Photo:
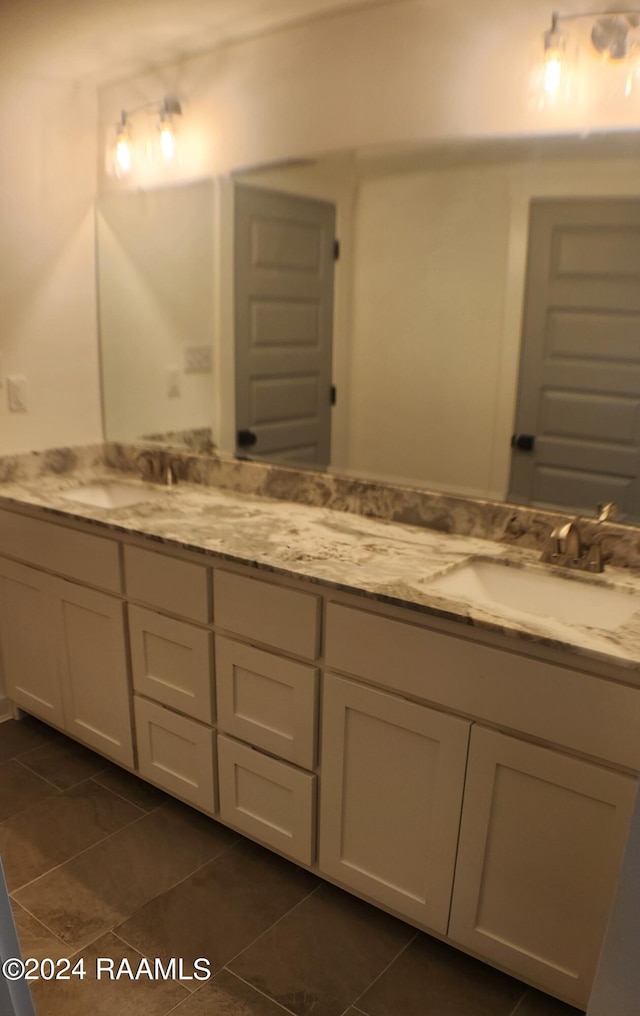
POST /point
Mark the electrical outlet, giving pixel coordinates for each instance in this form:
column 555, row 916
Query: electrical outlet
column 173, row 382
column 17, row 396
column 197, row 359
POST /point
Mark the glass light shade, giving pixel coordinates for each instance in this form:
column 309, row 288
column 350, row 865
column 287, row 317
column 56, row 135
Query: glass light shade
column 632, row 79
column 554, row 68
column 123, row 157
column 167, row 139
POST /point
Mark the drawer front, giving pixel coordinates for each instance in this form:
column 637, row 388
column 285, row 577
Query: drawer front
column 89, row 559
column 178, row 587
column 503, row 688
column 267, row 700
column 176, row 753
column 267, row 799
column 276, row 615
column 172, row 662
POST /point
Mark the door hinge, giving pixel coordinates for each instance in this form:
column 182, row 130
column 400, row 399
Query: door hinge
column 333, row 395
column 336, row 250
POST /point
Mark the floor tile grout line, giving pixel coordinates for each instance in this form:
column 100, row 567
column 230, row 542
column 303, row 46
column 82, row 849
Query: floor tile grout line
column 44, row 779
column 45, row 926
column 269, row 998
column 73, row 857
column 520, row 1000
column 116, row 793
column 383, row 972
column 271, row 927
column 171, row 888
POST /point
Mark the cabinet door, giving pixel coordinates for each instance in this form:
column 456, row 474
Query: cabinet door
column 540, row 844
column 29, row 643
column 391, row 795
column 94, row 678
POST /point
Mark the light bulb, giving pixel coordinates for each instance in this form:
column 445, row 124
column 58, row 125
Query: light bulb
column 554, row 82
column 554, row 68
column 167, row 141
column 123, row 156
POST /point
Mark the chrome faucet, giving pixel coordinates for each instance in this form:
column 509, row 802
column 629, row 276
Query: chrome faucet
column 157, row 466
column 566, row 545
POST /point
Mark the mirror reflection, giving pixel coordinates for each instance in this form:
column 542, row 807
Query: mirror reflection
column 427, row 326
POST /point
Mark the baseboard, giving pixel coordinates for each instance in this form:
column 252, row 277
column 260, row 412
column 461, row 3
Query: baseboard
column 6, row 709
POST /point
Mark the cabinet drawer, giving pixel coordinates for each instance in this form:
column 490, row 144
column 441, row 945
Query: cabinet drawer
column 267, row 799
column 178, row 587
column 504, row 688
column 172, row 662
column 276, row 615
column 267, row 700
column 176, row 753
column 89, row 559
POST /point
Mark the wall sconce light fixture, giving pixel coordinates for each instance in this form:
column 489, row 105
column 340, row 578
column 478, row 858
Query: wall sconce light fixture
column 123, row 157
column 161, row 142
column 612, row 36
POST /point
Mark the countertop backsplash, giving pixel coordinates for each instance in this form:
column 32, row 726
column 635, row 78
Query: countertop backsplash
column 515, row 525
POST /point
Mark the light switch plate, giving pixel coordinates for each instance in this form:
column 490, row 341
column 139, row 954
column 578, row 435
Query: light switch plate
column 197, row 359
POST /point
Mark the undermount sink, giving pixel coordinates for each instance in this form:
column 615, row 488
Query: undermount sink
column 520, row 592
column 107, row 495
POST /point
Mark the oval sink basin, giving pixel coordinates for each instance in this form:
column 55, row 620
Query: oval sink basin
column 538, row 594
column 107, row 495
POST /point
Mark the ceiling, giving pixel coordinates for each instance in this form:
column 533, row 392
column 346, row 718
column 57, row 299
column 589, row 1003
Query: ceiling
column 99, row 41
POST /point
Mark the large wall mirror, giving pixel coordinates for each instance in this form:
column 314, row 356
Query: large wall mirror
column 429, row 300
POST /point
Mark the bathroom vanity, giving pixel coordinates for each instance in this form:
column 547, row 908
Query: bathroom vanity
column 289, row 671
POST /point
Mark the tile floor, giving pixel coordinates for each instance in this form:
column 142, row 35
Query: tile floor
column 100, row 864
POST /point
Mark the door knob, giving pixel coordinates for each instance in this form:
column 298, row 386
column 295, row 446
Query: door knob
column 523, row 442
column 246, row 438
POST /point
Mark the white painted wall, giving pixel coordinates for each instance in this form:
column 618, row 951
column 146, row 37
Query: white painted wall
column 47, row 277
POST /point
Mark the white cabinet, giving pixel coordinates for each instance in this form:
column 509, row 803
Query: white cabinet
column 30, row 660
column 172, row 662
column 541, row 840
column 177, row 753
column 93, row 672
column 64, row 657
column 267, row 700
column 277, row 615
column 173, row 674
column 267, row 799
column 392, row 781
column 542, row 830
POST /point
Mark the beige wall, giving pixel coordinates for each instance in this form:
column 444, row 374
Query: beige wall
column 47, row 282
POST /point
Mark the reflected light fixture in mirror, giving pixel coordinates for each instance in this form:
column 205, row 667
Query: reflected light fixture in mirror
column 167, row 129
column 614, row 35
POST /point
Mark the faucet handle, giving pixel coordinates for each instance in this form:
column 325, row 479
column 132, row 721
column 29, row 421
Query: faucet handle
column 608, row 512
column 146, row 460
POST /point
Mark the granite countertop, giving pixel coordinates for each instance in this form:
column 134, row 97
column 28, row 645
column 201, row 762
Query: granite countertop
column 385, row 561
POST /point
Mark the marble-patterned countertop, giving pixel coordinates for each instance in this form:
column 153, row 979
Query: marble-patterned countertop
column 385, row 561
